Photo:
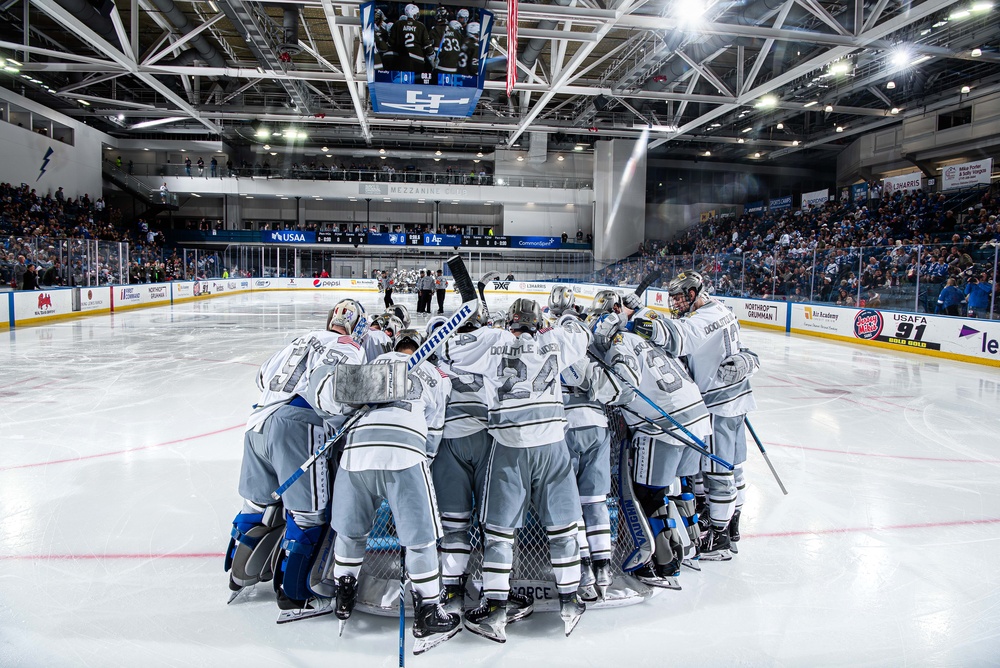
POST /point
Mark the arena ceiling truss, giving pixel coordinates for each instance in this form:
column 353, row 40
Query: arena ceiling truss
column 764, row 78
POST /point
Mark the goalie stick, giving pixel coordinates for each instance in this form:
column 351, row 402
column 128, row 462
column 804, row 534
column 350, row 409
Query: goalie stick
column 697, row 444
column 463, row 283
column 764, row 452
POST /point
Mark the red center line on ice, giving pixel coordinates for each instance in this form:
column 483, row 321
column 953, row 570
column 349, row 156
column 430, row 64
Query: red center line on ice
column 891, row 527
column 121, row 452
column 774, row 534
column 885, row 456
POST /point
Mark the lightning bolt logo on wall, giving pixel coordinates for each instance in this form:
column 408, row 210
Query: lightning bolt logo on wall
column 45, row 163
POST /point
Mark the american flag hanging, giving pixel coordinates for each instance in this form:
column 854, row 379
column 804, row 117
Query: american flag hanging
column 511, row 45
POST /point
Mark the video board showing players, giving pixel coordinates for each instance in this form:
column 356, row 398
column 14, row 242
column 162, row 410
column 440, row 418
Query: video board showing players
column 425, row 44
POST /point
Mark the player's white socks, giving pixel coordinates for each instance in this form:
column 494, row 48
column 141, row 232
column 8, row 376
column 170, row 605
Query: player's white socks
column 564, row 552
column 598, row 523
column 498, row 560
column 348, row 555
column 455, row 546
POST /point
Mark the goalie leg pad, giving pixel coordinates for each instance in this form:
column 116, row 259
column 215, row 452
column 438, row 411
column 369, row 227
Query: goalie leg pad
column 687, row 507
column 301, row 546
column 254, row 539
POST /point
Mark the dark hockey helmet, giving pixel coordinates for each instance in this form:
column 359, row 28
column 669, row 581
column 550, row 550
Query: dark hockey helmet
column 347, row 313
column 402, row 313
column 524, row 315
column 560, row 299
column 680, row 289
column 407, row 337
column 441, row 15
column 379, row 16
column 605, row 301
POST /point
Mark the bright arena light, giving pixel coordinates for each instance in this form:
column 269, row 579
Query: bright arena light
column 901, row 58
column 690, row 13
column 842, row 67
column 768, row 101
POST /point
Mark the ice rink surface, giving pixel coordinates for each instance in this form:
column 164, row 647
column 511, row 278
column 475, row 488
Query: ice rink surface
column 120, row 445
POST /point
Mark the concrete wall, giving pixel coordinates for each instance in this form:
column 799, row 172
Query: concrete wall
column 76, row 167
column 620, row 193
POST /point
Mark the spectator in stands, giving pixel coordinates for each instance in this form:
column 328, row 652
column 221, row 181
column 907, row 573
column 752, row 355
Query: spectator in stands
column 187, row 165
column 163, row 192
column 213, row 167
column 979, row 292
column 201, row 166
column 19, row 270
column 950, row 298
column 30, row 280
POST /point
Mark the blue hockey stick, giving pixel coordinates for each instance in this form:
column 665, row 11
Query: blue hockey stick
column 700, row 448
column 764, row 452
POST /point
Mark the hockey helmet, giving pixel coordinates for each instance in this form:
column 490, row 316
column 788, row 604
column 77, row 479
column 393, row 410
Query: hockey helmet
column 411, row 11
column 434, row 323
column 473, row 29
column 402, row 313
column 680, row 289
column 379, row 16
column 463, row 16
column 524, row 315
column 441, row 15
column 347, row 314
column 391, row 325
column 561, row 298
column 605, row 301
column 407, row 337
column 456, row 26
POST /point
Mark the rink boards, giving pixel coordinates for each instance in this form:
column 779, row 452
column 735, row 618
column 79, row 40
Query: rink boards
column 963, row 339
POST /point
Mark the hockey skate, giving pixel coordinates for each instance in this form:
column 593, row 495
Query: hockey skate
column 237, row 590
column 519, row 606
column 588, row 583
column 453, row 598
column 432, row 625
column 489, row 620
column 734, row 532
column 314, row 607
column 347, row 592
column 648, row 575
column 570, row 610
column 603, row 576
column 716, row 546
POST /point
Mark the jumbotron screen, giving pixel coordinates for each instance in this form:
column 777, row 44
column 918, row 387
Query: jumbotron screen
column 425, row 59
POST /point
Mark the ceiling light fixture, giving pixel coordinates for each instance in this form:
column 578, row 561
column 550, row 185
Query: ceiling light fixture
column 921, row 59
column 267, row 147
column 795, row 142
column 437, row 152
column 740, row 140
column 479, row 155
column 840, row 128
column 813, row 103
column 960, row 14
column 780, row 126
column 828, row 108
column 842, row 67
column 890, row 85
column 520, row 158
column 560, row 159
column 707, row 153
column 894, row 111
column 976, row 53
column 982, row 6
column 756, row 155
column 966, row 90
column 747, row 129
column 381, row 150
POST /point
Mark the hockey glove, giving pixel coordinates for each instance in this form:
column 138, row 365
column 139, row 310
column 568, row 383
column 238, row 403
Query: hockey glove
column 643, row 327
column 605, row 329
column 632, row 301
column 738, row 366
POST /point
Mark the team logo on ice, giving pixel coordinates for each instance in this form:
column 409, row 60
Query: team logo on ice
column 867, row 324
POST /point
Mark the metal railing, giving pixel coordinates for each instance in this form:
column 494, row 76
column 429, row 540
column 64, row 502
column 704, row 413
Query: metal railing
column 132, row 182
column 332, row 173
column 61, row 261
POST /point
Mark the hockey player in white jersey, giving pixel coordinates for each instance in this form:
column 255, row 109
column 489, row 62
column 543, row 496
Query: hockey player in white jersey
column 529, row 462
column 387, row 456
column 659, row 458
column 460, row 471
column 707, row 335
column 589, row 444
column 378, row 338
column 283, row 431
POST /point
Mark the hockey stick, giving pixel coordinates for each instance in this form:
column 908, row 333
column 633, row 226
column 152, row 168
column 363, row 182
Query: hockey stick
column 402, row 604
column 650, row 278
column 766, row 458
column 700, row 448
column 463, row 283
column 673, row 433
column 487, row 278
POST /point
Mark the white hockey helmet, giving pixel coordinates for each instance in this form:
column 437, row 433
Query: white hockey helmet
column 411, row 11
column 680, row 289
column 524, row 315
column 407, row 337
column 473, row 29
column 456, row 26
column 605, row 301
column 391, row 325
column 463, row 16
column 434, row 323
column 402, row 313
column 561, row 298
column 347, row 314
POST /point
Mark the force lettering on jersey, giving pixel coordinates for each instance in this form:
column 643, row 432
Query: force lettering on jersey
column 719, row 324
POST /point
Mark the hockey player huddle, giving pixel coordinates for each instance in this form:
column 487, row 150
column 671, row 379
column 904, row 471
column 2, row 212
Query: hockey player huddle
column 502, row 419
